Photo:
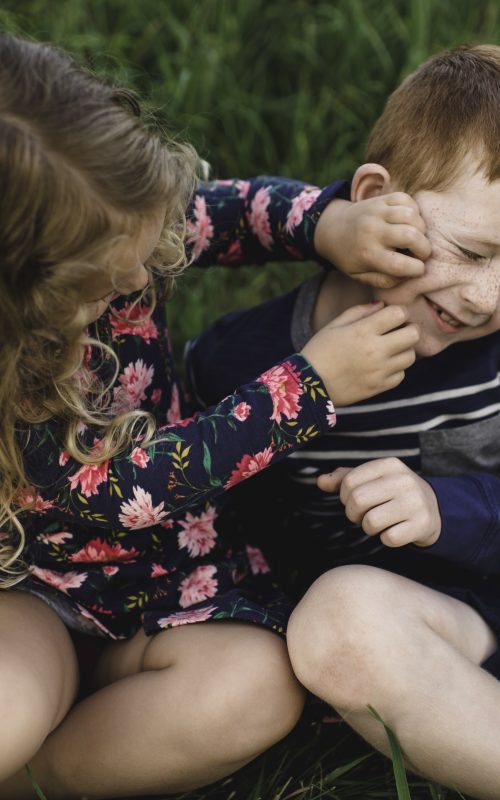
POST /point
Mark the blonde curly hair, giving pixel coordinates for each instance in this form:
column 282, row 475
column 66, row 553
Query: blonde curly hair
column 80, row 170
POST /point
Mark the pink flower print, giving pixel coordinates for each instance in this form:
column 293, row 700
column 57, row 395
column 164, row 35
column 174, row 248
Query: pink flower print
column 30, row 495
column 233, row 254
column 60, row 580
column 244, row 188
column 156, row 396
column 249, row 465
column 198, row 535
column 101, row 550
column 110, row 571
column 63, row 458
column 201, row 230
column 258, row 218
column 332, row 416
column 174, row 412
column 257, row 560
column 134, row 381
column 139, row 457
column 197, row 586
column 242, row 411
column 168, row 523
column 184, row 617
column 139, row 512
column 89, row 476
column 132, row 319
column 54, row 538
column 300, row 204
column 157, row 571
column 284, row 386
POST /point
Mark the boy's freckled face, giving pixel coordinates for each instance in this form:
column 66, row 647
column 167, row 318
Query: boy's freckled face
column 458, row 297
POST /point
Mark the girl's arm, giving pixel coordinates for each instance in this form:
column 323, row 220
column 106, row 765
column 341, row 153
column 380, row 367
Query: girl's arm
column 196, row 458
column 232, row 222
column 271, row 219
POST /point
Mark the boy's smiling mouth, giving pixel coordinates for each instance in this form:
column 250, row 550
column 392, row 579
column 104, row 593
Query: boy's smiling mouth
column 447, row 322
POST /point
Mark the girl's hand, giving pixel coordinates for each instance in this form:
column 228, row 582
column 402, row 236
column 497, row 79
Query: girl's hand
column 363, row 352
column 386, row 497
column 365, row 239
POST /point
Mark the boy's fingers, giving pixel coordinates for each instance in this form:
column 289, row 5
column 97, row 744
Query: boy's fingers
column 331, row 481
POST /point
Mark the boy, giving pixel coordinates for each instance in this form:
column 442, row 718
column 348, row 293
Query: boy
column 408, row 619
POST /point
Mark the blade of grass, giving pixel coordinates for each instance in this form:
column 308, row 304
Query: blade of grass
column 35, row 785
column 397, row 759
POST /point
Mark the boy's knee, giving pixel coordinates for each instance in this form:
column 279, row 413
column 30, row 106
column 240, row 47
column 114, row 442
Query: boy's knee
column 339, row 634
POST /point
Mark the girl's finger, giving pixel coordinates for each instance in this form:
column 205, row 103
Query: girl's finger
column 408, row 237
column 405, row 215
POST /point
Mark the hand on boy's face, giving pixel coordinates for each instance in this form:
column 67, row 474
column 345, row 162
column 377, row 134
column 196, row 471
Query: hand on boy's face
column 458, row 297
column 377, row 241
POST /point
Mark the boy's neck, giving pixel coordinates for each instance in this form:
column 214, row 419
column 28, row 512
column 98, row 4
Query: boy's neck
column 338, row 292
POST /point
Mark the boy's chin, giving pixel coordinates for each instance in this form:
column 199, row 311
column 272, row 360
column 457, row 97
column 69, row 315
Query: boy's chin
column 430, row 347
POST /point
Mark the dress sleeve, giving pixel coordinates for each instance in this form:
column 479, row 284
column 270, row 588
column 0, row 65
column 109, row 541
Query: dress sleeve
column 195, row 459
column 470, row 512
column 257, row 220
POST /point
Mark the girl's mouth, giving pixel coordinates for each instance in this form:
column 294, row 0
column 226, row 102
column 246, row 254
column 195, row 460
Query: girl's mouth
column 446, row 322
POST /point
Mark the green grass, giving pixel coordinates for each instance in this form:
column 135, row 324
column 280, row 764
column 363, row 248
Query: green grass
column 287, row 87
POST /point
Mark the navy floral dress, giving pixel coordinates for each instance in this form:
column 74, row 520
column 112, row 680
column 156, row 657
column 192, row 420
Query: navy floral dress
column 135, row 540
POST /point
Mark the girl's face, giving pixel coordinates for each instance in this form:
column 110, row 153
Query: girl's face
column 458, row 297
column 131, row 254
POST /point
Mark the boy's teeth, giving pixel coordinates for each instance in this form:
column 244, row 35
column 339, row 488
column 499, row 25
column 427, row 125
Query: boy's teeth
column 446, row 318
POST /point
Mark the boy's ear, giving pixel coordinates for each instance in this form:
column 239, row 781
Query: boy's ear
column 370, row 180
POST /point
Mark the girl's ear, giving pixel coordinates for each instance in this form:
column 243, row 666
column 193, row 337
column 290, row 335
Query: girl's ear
column 370, row 180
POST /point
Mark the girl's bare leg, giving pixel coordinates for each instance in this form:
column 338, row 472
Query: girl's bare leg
column 362, row 636
column 174, row 712
column 38, row 677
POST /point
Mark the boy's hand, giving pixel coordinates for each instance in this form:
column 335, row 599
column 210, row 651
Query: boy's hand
column 363, row 352
column 364, row 239
column 386, row 497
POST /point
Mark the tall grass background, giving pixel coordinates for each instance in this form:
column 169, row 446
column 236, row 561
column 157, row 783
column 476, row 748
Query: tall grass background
column 286, row 87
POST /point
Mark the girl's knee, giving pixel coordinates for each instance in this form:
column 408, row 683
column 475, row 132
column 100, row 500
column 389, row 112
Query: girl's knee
column 261, row 700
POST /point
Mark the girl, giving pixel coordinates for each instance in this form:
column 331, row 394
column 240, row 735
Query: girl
column 109, row 528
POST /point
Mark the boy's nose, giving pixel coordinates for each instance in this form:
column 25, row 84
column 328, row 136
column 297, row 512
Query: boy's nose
column 482, row 295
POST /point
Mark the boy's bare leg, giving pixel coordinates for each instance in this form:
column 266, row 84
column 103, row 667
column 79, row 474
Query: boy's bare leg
column 175, row 711
column 38, row 677
column 362, row 636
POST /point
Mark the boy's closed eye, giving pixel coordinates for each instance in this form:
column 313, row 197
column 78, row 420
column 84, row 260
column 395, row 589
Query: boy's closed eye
column 471, row 256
